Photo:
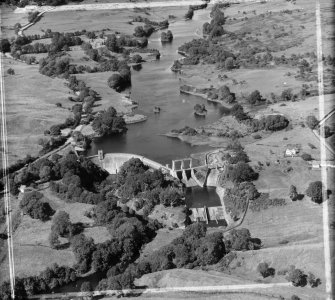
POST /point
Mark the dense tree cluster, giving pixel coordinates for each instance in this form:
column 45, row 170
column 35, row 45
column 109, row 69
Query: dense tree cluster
column 214, row 28
column 194, row 248
column 240, row 239
column 155, row 24
column 59, row 41
column 53, row 277
column 206, row 50
column 55, row 65
column 109, row 123
column 269, row 123
column 264, row 202
column 236, row 199
column 143, row 31
column 33, row 205
column 239, row 172
column 136, row 179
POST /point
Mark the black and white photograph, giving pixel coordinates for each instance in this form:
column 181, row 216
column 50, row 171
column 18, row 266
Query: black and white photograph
column 167, row 149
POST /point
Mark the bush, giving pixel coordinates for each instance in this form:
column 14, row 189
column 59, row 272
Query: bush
column 264, row 269
column 312, row 122
column 306, row 157
column 297, row 277
column 255, row 98
column 229, row 63
column 10, row 71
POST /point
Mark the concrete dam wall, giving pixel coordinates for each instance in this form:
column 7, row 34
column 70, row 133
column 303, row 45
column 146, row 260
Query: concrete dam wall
column 112, row 162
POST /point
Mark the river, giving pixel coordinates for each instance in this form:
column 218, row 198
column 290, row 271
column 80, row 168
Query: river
column 156, row 85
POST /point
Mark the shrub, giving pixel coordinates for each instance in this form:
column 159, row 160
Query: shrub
column 306, row 157
column 10, row 71
column 229, row 63
column 297, row 277
column 264, row 269
column 312, row 280
column 255, row 98
column 293, row 194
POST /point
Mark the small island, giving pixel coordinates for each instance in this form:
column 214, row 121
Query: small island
column 200, row 110
column 166, row 37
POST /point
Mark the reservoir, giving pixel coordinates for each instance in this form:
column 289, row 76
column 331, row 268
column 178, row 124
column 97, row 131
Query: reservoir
column 156, row 85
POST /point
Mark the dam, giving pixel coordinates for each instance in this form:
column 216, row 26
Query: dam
column 182, row 169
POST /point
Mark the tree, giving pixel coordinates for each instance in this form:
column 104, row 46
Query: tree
column 137, row 58
column 189, row 14
column 139, row 31
column 86, row 287
column 55, row 130
column 229, row 63
column 54, row 240
column 287, row 95
column 61, row 223
column 314, row 191
column 255, row 98
column 4, row 45
column 115, row 81
column 312, row 122
column 45, row 173
column 293, row 194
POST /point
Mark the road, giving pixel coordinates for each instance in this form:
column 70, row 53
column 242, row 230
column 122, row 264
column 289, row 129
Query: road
column 202, row 289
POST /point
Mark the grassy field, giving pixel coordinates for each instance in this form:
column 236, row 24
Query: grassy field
column 31, row 107
column 114, row 20
column 32, row 251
